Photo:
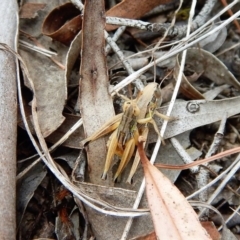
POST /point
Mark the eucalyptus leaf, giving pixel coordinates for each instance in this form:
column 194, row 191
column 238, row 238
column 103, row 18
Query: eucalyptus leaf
column 196, row 113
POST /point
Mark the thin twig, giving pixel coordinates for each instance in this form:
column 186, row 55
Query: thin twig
column 182, row 152
column 169, row 28
column 178, row 31
column 235, row 211
column 219, row 177
column 115, row 37
column 125, row 62
column 36, row 48
column 223, row 183
column 224, row 2
column 203, row 175
column 39, row 48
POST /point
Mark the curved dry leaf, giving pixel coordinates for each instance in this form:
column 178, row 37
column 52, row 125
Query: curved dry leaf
column 172, row 215
column 186, row 87
column 211, row 67
column 132, row 9
column 49, row 84
column 50, row 90
column 63, row 23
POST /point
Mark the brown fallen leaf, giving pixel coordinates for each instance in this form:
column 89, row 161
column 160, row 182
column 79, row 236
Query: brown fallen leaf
column 63, row 23
column 132, row 9
column 172, row 215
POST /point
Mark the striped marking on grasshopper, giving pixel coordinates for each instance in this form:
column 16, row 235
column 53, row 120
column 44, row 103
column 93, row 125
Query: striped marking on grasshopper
column 122, row 140
column 128, row 122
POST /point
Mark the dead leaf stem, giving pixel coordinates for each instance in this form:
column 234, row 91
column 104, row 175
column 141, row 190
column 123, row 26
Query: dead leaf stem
column 199, row 162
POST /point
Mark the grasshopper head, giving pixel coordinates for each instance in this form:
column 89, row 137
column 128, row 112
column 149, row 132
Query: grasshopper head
column 131, row 105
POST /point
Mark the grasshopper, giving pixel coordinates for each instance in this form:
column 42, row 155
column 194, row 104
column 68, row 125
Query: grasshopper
column 124, row 137
column 154, row 99
column 125, row 126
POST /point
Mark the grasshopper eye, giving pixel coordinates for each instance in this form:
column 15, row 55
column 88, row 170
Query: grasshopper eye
column 126, row 105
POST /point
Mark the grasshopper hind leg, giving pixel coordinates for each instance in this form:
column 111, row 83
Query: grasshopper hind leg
column 112, row 145
column 127, row 154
